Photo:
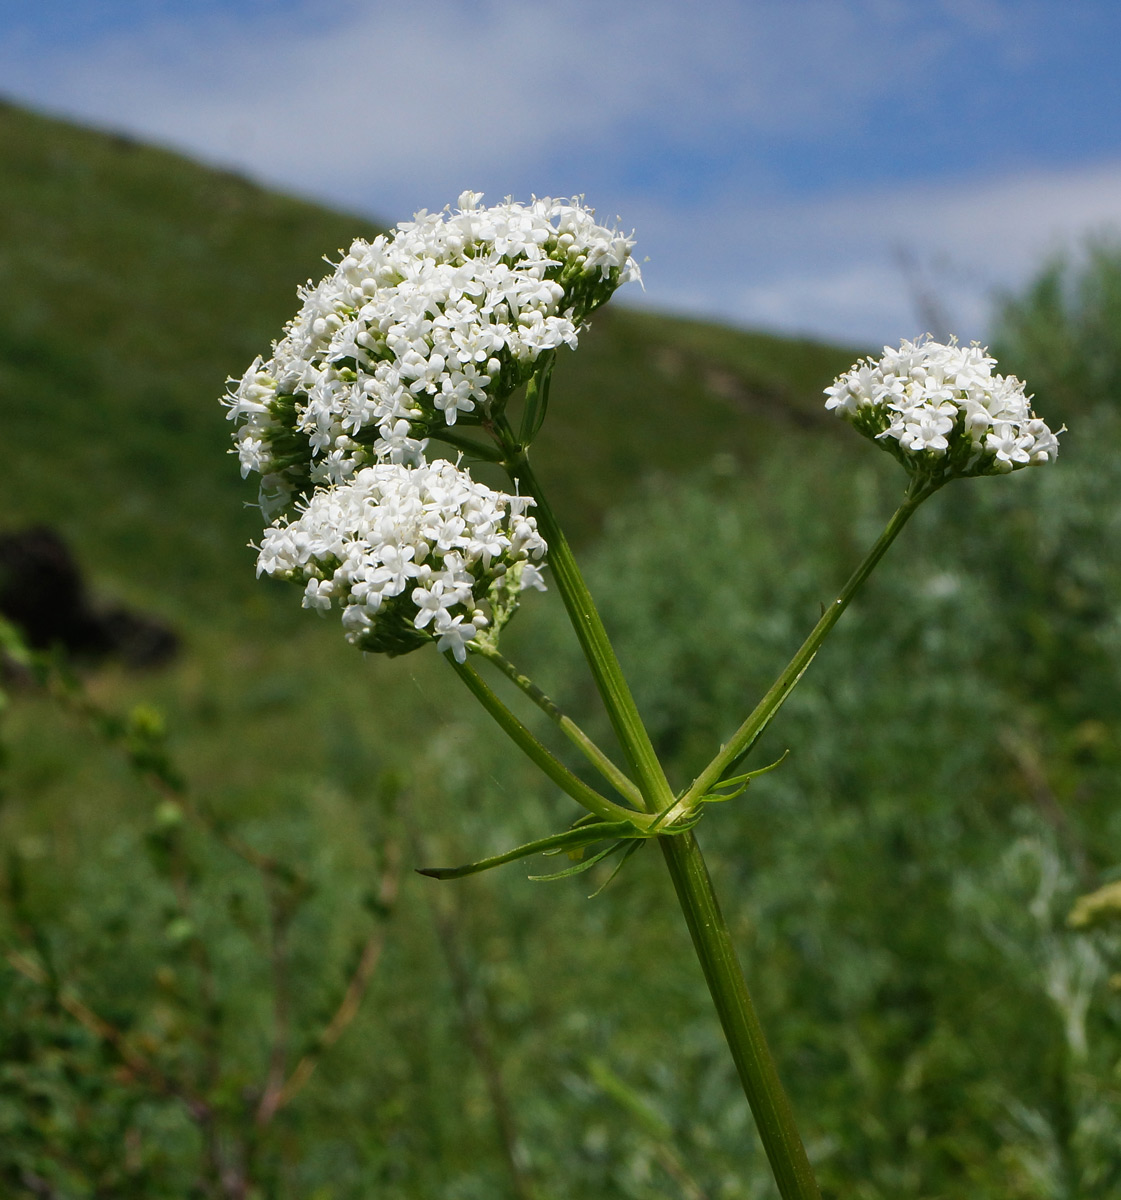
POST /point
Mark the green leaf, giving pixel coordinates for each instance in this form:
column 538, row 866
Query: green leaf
column 631, row 846
column 739, row 782
column 537, row 398
column 583, row 835
column 582, row 866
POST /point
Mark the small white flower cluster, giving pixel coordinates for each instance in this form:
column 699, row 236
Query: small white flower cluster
column 410, row 554
column 942, row 412
column 440, row 321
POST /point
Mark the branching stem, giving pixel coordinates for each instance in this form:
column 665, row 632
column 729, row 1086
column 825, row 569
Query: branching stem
column 619, row 781
column 572, row 784
column 749, row 732
column 600, row 654
column 711, row 938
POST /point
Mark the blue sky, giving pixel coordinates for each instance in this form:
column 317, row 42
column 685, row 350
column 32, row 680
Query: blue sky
column 805, row 165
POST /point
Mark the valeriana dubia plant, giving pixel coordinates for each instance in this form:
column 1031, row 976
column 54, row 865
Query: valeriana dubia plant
column 447, row 331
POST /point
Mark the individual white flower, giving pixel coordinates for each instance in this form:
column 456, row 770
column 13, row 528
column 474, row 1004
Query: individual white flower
column 1009, row 449
column 409, row 554
column 454, row 634
column 433, row 603
column 942, row 412
column 318, row 594
column 434, row 324
column 532, row 578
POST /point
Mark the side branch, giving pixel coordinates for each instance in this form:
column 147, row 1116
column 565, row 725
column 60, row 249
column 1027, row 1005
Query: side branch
column 624, row 786
column 572, row 784
column 749, row 732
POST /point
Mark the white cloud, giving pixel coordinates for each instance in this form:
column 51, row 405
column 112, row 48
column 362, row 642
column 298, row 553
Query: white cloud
column 378, row 99
column 383, row 109
column 830, row 266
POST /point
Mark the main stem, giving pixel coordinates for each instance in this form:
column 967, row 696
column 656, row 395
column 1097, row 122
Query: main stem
column 774, row 1116
column 608, row 674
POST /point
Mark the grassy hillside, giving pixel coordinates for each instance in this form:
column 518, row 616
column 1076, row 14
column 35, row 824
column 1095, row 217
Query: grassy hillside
column 899, row 887
column 133, row 282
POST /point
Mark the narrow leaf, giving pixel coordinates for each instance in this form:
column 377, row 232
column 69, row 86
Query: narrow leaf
column 580, row 867
column 748, row 776
column 569, row 840
column 632, row 846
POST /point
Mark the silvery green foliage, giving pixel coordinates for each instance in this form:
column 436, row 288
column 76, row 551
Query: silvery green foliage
column 942, row 412
column 436, row 323
column 900, row 789
column 410, row 554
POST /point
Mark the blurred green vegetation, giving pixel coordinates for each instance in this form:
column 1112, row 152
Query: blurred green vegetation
column 899, row 886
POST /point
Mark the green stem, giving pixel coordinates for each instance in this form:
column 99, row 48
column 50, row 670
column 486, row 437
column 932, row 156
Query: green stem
column 707, row 927
column 575, row 787
column 568, row 727
column 774, row 1116
column 621, row 708
column 537, row 398
column 748, row 733
column 470, row 447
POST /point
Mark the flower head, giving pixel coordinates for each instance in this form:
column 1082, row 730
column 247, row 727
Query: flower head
column 437, row 323
column 942, row 412
column 409, row 555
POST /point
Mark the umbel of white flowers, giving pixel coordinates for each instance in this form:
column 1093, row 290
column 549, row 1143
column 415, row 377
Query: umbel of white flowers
column 436, row 323
column 410, row 555
column 942, row 412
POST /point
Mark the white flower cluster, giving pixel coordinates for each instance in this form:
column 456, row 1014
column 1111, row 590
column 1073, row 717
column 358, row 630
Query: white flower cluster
column 410, row 554
column 438, row 322
column 942, row 412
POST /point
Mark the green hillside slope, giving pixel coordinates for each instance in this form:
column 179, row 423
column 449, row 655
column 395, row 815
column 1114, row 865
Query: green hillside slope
column 899, row 887
column 133, row 282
